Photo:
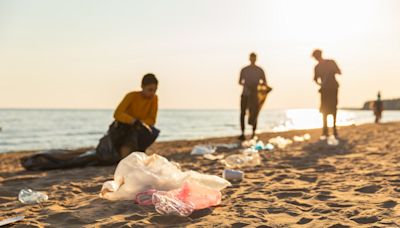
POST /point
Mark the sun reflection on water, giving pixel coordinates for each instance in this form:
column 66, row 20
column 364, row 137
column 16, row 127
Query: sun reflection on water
column 312, row 118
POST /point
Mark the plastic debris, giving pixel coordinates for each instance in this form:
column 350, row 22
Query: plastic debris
column 213, row 157
column 248, row 157
column 233, row 175
column 203, row 149
column 11, row 220
column 28, row 196
column 302, row 138
column 280, row 142
column 166, row 203
column 139, row 172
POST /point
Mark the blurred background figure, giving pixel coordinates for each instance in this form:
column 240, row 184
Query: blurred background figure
column 378, row 108
column 325, row 76
column 251, row 77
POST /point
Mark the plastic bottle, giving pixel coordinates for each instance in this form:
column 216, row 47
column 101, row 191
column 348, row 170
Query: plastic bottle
column 27, row 196
column 248, row 157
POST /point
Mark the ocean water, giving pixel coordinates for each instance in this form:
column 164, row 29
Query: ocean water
column 36, row 129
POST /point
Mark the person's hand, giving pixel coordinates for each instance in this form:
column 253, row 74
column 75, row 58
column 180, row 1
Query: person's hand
column 147, row 127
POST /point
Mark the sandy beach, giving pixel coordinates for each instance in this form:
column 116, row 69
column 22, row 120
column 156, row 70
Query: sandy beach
column 307, row 184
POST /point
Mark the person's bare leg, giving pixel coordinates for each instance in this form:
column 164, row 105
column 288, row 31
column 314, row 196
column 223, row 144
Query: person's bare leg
column 254, row 130
column 243, row 107
column 334, row 125
column 325, row 124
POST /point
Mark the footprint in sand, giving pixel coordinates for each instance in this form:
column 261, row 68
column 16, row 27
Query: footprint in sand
column 338, row 225
column 389, row 204
column 283, row 195
column 366, row 219
column 369, row 189
column 303, row 221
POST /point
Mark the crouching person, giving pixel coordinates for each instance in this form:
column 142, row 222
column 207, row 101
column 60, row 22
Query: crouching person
column 133, row 128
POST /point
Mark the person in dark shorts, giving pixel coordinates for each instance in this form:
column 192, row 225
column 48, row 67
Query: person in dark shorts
column 135, row 117
column 251, row 77
column 325, row 77
column 378, row 108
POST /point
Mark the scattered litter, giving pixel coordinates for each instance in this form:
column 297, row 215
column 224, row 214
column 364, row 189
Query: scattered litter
column 227, row 146
column 183, row 201
column 11, row 220
column 280, row 142
column 203, row 149
column 139, row 173
column 248, row 157
column 332, row 141
column 213, row 157
column 302, row 138
column 27, row 196
column 233, row 175
column 249, row 143
column 269, row 146
column 145, row 198
column 166, row 203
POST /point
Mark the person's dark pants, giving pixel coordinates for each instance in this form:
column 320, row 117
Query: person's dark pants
column 249, row 102
column 134, row 136
column 146, row 138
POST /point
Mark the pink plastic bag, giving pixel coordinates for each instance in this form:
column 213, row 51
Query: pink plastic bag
column 198, row 195
column 192, row 196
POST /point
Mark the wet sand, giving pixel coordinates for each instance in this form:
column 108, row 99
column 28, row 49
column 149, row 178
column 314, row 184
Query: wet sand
column 307, row 184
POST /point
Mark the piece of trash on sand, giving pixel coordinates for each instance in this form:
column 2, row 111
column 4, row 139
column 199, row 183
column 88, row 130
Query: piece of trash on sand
column 166, row 203
column 213, row 157
column 280, row 142
column 203, row 149
column 233, row 175
column 11, row 220
column 269, row 146
column 332, row 141
column 302, row 138
column 227, row 146
column 139, row 172
column 27, row 196
column 250, row 143
column 183, row 201
column 248, row 157
column 145, row 198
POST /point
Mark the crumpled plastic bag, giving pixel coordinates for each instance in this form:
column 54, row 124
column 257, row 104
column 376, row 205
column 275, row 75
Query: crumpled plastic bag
column 139, row 172
column 184, row 201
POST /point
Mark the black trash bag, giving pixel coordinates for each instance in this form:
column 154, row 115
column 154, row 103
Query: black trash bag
column 59, row 159
column 118, row 135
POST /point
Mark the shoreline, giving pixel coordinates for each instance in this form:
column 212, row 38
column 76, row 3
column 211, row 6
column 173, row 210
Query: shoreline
column 231, row 137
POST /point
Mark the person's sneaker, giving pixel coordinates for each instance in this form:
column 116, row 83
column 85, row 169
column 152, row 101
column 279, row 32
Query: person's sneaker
column 241, row 137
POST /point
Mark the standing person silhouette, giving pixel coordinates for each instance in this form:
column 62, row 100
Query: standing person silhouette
column 325, row 76
column 251, row 77
column 378, row 108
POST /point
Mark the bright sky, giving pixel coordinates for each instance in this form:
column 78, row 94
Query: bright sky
column 88, row 54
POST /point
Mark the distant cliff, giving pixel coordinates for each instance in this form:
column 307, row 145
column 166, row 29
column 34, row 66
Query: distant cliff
column 393, row 104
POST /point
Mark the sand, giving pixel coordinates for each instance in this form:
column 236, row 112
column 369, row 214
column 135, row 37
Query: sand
column 307, row 184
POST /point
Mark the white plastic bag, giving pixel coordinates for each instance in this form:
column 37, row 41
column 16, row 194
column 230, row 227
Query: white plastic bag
column 139, row 172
